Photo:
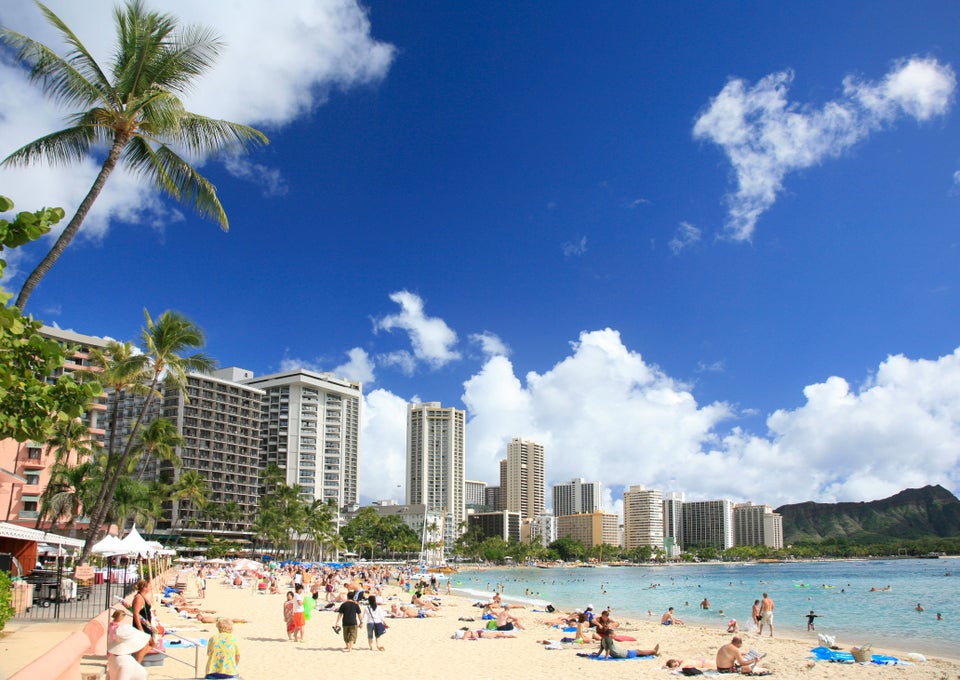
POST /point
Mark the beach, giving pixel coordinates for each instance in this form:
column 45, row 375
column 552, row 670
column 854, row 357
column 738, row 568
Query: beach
column 423, row 648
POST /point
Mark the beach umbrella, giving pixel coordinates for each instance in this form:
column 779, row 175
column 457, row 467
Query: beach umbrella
column 134, row 544
column 184, row 560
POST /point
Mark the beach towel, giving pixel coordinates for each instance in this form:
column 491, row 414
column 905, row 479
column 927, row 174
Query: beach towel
column 631, row 655
column 623, row 638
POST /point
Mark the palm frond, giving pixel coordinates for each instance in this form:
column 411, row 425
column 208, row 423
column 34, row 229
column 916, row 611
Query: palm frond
column 176, row 177
column 63, row 147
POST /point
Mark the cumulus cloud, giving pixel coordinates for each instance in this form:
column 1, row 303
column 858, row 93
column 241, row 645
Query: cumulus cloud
column 312, row 47
column 383, row 437
column 956, row 177
column 433, row 341
column 490, row 344
column 686, row 235
column 607, row 414
column 765, row 136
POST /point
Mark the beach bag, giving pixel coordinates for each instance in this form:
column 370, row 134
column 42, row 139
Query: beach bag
column 491, row 624
column 379, row 629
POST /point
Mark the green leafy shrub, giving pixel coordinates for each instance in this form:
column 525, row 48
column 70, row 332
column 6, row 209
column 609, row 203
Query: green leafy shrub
column 6, row 598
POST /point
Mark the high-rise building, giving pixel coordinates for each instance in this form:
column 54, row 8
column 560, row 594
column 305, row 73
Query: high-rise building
column 673, row 523
column 591, row 529
column 543, row 529
column 311, row 430
column 642, row 517
column 576, row 496
column 436, row 461
column 475, row 494
column 25, row 466
column 219, row 420
column 503, row 524
column 525, row 477
column 492, row 498
column 708, row 523
column 504, row 481
column 757, row 525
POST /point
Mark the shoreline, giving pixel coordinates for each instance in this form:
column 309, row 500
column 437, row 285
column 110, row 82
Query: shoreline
column 423, row 648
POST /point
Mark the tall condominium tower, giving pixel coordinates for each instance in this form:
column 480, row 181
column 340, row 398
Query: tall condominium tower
column 475, row 493
column 436, row 461
column 525, row 478
column 708, row 523
column 575, row 497
column 504, row 481
column 642, row 517
column 311, row 430
column 757, row 525
column 673, row 522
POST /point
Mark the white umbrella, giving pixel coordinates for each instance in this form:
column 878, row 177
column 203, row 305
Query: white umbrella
column 184, row 559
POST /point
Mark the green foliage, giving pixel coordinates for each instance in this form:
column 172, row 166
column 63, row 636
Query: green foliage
column 386, row 536
column 6, row 599
column 30, row 406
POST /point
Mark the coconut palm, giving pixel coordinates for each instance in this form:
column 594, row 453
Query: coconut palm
column 133, row 109
column 158, row 440
column 69, row 492
column 190, row 489
column 164, row 343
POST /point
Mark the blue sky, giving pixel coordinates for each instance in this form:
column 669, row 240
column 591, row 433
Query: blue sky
column 704, row 247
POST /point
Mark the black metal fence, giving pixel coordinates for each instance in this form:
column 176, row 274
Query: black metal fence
column 55, row 594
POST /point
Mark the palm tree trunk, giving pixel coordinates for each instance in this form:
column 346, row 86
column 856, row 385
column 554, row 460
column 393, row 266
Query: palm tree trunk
column 109, row 164
column 16, row 462
column 110, row 479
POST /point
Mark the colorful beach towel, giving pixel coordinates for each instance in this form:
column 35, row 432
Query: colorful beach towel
column 631, row 654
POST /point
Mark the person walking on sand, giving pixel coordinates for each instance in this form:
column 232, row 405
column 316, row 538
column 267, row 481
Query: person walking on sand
column 351, row 615
column 376, row 626
column 766, row 614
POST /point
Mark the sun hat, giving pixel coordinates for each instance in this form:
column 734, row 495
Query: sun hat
column 127, row 640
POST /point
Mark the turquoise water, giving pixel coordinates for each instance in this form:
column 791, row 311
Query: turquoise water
column 846, row 608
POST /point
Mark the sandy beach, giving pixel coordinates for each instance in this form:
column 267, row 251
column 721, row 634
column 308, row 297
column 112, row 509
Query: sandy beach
column 423, row 648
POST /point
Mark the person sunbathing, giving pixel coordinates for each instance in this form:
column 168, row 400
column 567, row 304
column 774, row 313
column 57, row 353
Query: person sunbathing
column 425, row 604
column 680, row 664
column 408, row 611
column 466, row 634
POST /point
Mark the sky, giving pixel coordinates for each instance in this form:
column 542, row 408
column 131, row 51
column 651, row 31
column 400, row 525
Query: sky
column 703, row 247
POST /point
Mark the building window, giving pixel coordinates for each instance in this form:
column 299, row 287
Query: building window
column 33, row 453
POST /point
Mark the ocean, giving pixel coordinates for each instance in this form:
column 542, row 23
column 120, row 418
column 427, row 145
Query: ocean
column 837, row 591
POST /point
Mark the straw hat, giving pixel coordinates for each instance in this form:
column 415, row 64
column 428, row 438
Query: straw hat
column 128, row 640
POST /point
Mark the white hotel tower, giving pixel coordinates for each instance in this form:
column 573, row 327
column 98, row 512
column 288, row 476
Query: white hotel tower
column 310, row 428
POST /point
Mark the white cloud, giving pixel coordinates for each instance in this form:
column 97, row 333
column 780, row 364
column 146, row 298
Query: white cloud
column 270, row 181
column 383, row 458
column 402, row 359
column 280, row 61
column 956, row 177
column 572, row 248
column 490, row 344
column 604, row 413
column 432, row 339
column 358, row 367
column 686, row 235
column 766, row 137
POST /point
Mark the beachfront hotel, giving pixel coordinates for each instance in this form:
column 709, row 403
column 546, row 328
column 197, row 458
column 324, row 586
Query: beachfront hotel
column 576, row 496
column 436, row 461
column 591, row 529
column 708, row 523
column 525, row 478
column 642, row 517
column 311, row 430
column 757, row 525
column 25, row 466
column 219, row 420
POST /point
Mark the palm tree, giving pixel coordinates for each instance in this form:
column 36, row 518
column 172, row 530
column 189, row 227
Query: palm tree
column 190, row 489
column 163, row 343
column 159, row 440
column 68, row 493
column 137, row 501
column 133, row 108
